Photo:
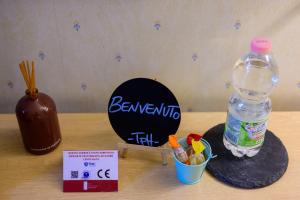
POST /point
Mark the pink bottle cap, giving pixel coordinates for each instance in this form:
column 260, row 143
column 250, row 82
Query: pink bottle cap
column 261, row 45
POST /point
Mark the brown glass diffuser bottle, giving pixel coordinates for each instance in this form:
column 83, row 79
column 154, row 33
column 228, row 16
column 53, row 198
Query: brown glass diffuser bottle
column 37, row 117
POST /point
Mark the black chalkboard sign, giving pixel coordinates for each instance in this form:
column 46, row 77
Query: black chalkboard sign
column 144, row 112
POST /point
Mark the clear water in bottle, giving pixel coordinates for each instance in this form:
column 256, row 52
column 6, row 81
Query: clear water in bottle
column 253, row 79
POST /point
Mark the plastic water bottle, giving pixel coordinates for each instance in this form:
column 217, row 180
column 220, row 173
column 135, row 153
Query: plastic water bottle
column 254, row 76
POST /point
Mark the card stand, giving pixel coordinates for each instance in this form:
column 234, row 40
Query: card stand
column 164, row 151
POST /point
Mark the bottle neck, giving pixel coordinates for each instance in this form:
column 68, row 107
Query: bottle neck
column 32, row 94
column 267, row 57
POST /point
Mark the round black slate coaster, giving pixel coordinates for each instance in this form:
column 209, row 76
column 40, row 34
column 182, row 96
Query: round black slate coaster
column 256, row 172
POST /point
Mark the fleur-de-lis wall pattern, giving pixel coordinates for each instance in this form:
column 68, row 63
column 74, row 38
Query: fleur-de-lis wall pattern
column 190, row 46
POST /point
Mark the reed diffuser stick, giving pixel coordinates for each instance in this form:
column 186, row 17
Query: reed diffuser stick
column 33, row 77
column 28, row 73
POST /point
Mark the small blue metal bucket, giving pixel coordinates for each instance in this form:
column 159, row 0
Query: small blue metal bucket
column 191, row 174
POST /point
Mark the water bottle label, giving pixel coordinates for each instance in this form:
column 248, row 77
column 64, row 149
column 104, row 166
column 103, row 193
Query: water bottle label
column 245, row 134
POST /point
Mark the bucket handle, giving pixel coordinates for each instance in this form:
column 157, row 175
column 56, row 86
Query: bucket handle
column 213, row 156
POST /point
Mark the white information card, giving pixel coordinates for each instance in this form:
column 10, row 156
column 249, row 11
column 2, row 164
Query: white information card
column 90, row 171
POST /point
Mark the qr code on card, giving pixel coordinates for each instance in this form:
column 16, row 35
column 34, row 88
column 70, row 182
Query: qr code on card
column 74, row 174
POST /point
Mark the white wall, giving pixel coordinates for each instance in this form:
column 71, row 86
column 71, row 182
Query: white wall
column 190, row 46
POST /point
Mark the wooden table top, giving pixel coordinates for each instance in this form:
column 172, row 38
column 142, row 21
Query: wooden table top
column 141, row 175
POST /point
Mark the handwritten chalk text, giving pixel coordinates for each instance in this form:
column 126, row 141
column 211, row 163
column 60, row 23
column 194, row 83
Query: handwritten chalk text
column 143, row 138
column 117, row 105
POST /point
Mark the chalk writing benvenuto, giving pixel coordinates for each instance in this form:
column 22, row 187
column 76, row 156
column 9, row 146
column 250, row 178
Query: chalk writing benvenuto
column 118, row 105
